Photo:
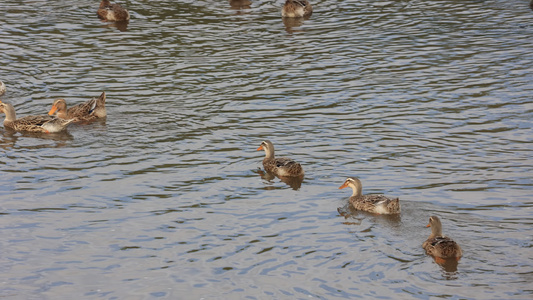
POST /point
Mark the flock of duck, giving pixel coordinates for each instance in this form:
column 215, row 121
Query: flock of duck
column 291, row 9
column 59, row 117
column 438, row 245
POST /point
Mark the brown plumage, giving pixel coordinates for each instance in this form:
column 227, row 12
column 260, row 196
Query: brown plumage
column 2, row 88
column 44, row 124
column 296, row 9
column 112, row 12
column 282, row 166
column 88, row 111
column 377, row 204
column 439, row 245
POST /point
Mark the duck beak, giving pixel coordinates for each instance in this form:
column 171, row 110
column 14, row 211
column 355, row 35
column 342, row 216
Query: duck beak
column 260, row 148
column 345, row 184
column 53, row 110
column 428, row 225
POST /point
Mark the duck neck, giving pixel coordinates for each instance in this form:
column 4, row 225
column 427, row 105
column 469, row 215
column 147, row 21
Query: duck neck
column 62, row 113
column 357, row 190
column 436, row 230
column 269, row 153
column 10, row 113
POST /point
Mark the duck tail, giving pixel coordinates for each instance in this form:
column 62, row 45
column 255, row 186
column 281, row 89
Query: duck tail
column 101, row 100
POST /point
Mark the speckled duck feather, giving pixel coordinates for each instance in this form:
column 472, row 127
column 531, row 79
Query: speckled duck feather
column 43, row 124
column 378, row 204
column 438, row 244
column 88, row 111
column 112, row 12
column 296, row 9
column 281, row 166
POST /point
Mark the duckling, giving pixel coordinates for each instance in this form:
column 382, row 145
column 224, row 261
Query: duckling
column 439, row 245
column 90, row 110
column 296, row 9
column 377, row 204
column 43, row 124
column 112, row 12
column 282, row 166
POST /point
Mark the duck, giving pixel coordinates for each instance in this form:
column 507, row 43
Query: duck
column 439, row 245
column 42, row 124
column 378, row 204
column 281, row 166
column 112, row 12
column 88, row 111
column 2, row 88
column 296, row 9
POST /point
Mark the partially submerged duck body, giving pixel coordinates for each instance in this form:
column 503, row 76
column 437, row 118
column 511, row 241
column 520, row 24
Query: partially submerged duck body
column 439, row 245
column 88, row 111
column 40, row 124
column 378, row 204
column 112, row 12
column 296, row 9
column 282, row 166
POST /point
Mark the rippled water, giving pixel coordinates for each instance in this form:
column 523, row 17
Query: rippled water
column 426, row 100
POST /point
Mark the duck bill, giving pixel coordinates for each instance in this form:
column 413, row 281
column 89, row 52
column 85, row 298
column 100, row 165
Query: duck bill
column 343, row 185
column 53, row 110
column 260, row 148
column 428, row 225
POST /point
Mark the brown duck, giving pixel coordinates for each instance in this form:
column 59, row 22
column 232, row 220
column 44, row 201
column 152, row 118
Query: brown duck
column 439, row 245
column 88, row 111
column 44, row 124
column 296, row 9
column 377, row 204
column 112, row 12
column 282, row 166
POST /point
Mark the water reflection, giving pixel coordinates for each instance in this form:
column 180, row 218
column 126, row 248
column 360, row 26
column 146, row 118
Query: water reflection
column 120, row 25
column 349, row 213
column 448, row 265
column 291, row 23
column 294, row 182
column 240, row 4
column 10, row 138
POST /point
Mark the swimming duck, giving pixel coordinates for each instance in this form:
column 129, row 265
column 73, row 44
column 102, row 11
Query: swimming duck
column 2, row 88
column 112, row 12
column 281, row 166
column 439, row 245
column 377, row 204
column 92, row 109
column 296, row 9
column 45, row 124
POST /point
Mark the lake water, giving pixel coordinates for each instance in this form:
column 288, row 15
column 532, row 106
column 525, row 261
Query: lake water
column 429, row 101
